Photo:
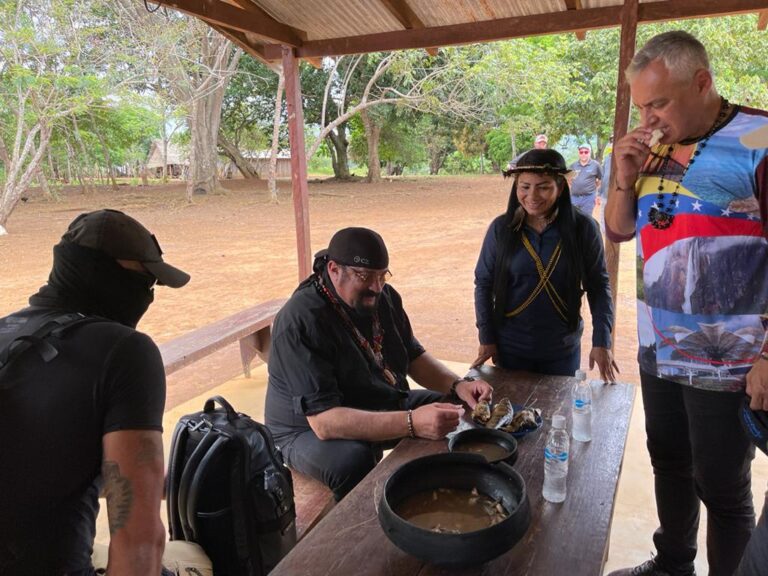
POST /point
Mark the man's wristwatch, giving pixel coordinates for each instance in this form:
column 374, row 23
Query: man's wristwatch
column 459, row 381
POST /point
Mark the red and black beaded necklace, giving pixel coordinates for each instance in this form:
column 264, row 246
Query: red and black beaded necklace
column 374, row 352
column 661, row 215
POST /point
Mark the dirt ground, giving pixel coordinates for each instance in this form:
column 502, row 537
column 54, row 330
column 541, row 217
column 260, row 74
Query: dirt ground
column 240, row 250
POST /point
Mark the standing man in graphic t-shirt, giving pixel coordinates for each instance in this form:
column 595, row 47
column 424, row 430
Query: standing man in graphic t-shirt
column 586, row 180
column 692, row 186
column 83, row 407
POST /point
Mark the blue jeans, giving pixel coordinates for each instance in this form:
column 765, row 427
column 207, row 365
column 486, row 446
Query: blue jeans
column 755, row 559
column 699, row 454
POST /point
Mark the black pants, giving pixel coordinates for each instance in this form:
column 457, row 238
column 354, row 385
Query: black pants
column 341, row 464
column 755, row 559
column 565, row 366
column 699, row 454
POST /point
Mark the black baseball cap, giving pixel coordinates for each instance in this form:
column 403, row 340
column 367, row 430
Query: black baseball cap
column 123, row 238
column 357, row 247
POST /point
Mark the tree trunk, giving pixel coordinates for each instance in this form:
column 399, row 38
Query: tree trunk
column 165, row 149
column 275, row 138
column 436, row 161
column 204, row 120
column 202, row 157
column 332, row 154
column 69, row 163
column 233, row 153
column 43, row 183
column 338, row 138
column 85, row 180
column 108, row 160
column 372, row 133
column 20, row 171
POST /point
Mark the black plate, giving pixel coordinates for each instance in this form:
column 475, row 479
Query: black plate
column 487, row 435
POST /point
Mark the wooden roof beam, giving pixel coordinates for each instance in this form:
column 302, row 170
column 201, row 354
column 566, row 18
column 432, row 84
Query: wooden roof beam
column 506, row 28
column 401, row 10
column 241, row 40
column 762, row 20
column 576, row 5
column 253, row 19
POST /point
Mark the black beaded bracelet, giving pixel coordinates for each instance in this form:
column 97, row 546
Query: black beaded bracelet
column 411, row 431
column 459, row 381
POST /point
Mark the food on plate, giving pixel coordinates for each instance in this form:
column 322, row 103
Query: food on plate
column 501, row 415
column 526, row 419
column 482, row 412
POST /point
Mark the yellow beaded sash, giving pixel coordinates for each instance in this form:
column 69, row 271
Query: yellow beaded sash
column 544, row 282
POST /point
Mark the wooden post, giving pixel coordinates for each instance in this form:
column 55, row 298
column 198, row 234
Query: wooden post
column 298, row 160
column 620, row 126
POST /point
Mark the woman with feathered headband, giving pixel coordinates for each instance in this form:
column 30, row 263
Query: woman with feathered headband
column 537, row 260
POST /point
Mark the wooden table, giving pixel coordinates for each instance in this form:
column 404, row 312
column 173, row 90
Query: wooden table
column 564, row 539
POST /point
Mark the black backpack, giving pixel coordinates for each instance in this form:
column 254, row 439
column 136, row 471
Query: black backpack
column 229, row 491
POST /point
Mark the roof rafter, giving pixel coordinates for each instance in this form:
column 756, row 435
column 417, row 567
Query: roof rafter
column 253, row 19
column 576, row 5
column 240, row 39
column 401, row 10
column 535, row 25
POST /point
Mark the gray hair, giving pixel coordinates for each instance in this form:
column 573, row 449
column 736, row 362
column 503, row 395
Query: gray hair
column 680, row 51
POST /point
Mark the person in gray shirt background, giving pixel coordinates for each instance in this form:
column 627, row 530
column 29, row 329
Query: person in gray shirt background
column 586, row 180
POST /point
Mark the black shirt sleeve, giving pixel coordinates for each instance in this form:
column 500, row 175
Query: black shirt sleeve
column 134, row 385
column 307, row 370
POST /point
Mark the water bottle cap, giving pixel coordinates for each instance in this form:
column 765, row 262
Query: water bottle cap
column 558, row 421
column 580, row 375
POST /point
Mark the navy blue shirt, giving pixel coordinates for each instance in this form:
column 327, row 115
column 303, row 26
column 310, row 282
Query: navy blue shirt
column 539, row 332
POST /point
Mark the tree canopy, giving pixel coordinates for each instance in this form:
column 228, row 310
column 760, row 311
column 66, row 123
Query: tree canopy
column 86, row 86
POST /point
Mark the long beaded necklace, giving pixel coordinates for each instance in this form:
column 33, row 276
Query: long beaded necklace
column 662, row 214
column 374, row 352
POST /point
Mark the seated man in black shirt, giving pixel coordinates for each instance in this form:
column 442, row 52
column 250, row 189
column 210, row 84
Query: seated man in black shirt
column 342, row 347
column 83, row 407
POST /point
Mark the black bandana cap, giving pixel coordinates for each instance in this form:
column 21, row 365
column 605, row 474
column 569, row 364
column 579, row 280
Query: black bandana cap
column 121, row 237
column 545, row 161
column 357, row 247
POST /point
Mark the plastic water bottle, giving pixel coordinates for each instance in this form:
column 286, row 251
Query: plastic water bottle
column 582, row 408
column 556, row 461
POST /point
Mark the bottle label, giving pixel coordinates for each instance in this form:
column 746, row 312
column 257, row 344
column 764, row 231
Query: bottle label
column 582, row 403
column 559, row 456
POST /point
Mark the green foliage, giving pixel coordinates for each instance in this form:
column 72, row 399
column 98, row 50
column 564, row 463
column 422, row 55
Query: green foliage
column 249, row 106
column 499, row 146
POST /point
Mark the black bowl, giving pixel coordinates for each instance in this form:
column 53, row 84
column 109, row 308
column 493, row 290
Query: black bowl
column 463, row 472
column 486, row 436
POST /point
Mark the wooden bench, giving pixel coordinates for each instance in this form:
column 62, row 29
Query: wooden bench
column 313, row 501
column 252, row 328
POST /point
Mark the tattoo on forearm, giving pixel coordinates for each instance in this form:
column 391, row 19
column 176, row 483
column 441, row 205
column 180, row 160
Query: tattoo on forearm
column 119, row 494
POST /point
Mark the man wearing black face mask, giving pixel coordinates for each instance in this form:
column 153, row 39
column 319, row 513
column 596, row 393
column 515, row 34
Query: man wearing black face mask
column 83, row 406
column 342, row 347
